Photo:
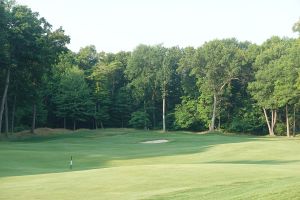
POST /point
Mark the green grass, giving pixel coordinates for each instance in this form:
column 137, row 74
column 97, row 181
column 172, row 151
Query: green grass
column 113, row 164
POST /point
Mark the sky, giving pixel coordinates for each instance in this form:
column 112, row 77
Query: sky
column 121, row 25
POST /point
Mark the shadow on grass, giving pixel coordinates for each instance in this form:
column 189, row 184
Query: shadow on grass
column 95, row 149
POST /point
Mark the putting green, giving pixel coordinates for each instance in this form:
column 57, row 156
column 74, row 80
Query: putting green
column 114, row 164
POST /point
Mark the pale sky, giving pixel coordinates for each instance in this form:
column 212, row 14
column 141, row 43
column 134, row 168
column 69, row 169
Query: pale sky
column 115, row 25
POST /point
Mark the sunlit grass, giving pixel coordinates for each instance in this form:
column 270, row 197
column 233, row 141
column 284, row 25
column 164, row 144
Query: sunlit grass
column 114, row 164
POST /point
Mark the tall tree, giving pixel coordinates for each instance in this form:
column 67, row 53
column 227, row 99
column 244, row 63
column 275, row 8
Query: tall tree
column 263, row 88
column 4, row 54
column 33, row 49
column 105, row 77
column 73, row 96
column 285, row 90
column 141, row 72
column 167, row 74
column 65, row 63
column 218, row 63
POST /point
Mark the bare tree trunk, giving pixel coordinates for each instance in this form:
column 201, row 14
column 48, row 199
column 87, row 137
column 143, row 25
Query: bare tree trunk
column 268, row 123
column 164, row 113
column 274, row 122
column 74, row 125
column 274, row 118
column 4, row 98
column 13, row 114
column 145, row 122
column 287, row 121
column 212, row 125
column 294, row 124
column 101, row 123
column 6, row 117
column 33, row 118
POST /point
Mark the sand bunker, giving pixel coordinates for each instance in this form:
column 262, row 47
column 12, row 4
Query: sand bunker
column 155, row 141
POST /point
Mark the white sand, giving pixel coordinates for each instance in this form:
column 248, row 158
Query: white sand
column 155, row 141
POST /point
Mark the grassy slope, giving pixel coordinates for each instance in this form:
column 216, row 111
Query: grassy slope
column 113, row 164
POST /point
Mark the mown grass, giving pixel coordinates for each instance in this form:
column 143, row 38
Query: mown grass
column 114, row 164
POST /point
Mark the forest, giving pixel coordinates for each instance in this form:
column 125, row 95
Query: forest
column 225, row 84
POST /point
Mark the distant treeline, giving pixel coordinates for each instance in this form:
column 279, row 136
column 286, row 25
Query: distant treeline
column 224, row 84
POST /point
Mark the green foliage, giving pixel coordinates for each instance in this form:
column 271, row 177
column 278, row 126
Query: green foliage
column 143, row 64
column 87, row 57
column 225, row 80
column 217, row 63
column 122, row 108
column 280, row 128
column 272, row 75
column 103, row 103
column 188, row 79
column 187, row 115
column 29, row 48
column 107, row 80
column 140, row 120
column 4, row 34
column 73, row 96
column 247, row 120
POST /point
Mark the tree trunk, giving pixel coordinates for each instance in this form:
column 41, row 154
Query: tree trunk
column 4, row 97
column 95, row 120
column 268, row 123
column 101, row 125
column 153, row 111
column 294, row 124
column 212, row 125
column 65, row 124
column 33, row 118
column 74, row 125
column 145, row 121
column 6, row 117
column 13, row 114
column 274, row 121
column 164, row 113
column 287, row 121
column 96, row 124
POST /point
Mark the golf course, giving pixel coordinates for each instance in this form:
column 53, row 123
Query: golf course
column 123, row 164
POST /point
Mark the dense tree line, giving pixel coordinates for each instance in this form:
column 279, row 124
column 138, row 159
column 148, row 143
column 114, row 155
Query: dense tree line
column 28, row 49
column 224, row 84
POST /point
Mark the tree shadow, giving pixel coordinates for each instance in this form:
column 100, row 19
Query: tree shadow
column 96, row 149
